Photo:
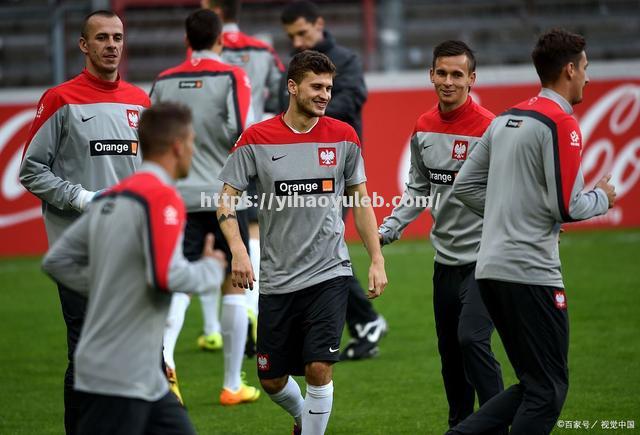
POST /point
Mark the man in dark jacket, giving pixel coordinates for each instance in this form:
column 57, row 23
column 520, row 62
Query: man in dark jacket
column 305, row 26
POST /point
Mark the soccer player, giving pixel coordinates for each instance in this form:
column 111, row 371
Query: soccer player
column 304, row 25
column 440, row 143
column 524, row 176
column 125, row 255
column 305, row 263
column 261, row 63
column 84, row 139
column 219, row 96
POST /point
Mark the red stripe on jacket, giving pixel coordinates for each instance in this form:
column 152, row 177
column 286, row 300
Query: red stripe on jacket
column 166, row 217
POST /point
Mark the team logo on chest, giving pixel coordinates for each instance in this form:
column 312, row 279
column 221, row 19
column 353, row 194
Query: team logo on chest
column 459, row 150
column 133, row 116
column 327, row 156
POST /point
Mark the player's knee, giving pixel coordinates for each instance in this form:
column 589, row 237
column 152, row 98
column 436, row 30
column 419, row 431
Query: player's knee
column 318, row 372
column 275, row 385
column 469, row 338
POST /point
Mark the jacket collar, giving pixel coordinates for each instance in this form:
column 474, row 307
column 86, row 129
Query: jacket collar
column 557, row 98
column 157, row 170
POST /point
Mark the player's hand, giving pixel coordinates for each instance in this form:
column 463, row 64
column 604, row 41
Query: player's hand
column 242, row 271
column 377, row 279
column 608, row 188
column 210, row 252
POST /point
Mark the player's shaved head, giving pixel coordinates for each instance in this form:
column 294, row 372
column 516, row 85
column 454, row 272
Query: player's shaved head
column 161, row 125
column 84, row 31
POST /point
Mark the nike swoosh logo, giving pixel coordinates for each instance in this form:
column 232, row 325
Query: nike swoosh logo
column 427, row 146
column 333, row 350
column 317, row 413
column 274, row 158
column 86, row 119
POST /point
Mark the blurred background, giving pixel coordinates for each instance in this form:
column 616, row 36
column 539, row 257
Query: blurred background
column 38, row 38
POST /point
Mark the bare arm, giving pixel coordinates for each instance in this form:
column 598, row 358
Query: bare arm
column 241, row 270
column 367, row 228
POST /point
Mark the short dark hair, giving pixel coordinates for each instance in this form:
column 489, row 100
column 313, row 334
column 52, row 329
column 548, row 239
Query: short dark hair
column 203, row 28
column 100, row 13
column 454, row 48
column 230, row 8
column 160, row 125
column 300, row 9
column 309, row 60
column 554, row 49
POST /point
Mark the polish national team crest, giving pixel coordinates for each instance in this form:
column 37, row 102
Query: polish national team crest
column 170, row 215
column 327, row 156
column 263, row 362
column 133, row 116
column 560, row 299
column 460, row 148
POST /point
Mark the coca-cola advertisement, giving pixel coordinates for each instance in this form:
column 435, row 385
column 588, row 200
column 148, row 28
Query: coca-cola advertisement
column 609, row 117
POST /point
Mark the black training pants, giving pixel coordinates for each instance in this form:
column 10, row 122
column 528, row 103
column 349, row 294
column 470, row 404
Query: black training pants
column 533, row 324
column 113, row 415
column 464, row 331
column 74, row 307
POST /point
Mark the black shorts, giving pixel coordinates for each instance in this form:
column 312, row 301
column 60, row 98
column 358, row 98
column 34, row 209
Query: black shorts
column 298, row 328
column 203, row 222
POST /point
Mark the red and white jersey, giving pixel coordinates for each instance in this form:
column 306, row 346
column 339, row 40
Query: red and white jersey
column 302, row 241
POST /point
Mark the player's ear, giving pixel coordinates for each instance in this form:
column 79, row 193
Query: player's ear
column 292, row 87
column 472, row 78
column 319, row 24
column 82, row 44
column 431, row 74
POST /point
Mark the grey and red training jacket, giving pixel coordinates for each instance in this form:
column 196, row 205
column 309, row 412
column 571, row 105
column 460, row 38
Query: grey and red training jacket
column 125, row 254
column 440, row 145
column 219, row 96
column 84, row 136
column 524, row 176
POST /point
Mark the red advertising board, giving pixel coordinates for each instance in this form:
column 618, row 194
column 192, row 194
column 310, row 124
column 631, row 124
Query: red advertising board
column 609, row 117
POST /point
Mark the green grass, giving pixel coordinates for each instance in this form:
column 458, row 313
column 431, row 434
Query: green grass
column 398, row 393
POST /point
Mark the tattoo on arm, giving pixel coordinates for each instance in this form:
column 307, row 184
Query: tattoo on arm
column 224, row 217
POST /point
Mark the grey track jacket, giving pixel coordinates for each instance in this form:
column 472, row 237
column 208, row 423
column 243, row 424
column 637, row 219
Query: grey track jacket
column 125, row 255
column 524, row 176
column 84, row 137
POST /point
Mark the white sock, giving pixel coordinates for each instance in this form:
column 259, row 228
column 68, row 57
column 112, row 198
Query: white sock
column 290, row 399
column 252, row 295
column 317, row 409
column 234, row 324
column 210, row 302
column 175, row 320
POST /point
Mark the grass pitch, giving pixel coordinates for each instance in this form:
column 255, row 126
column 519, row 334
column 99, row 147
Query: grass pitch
column 400, row 392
